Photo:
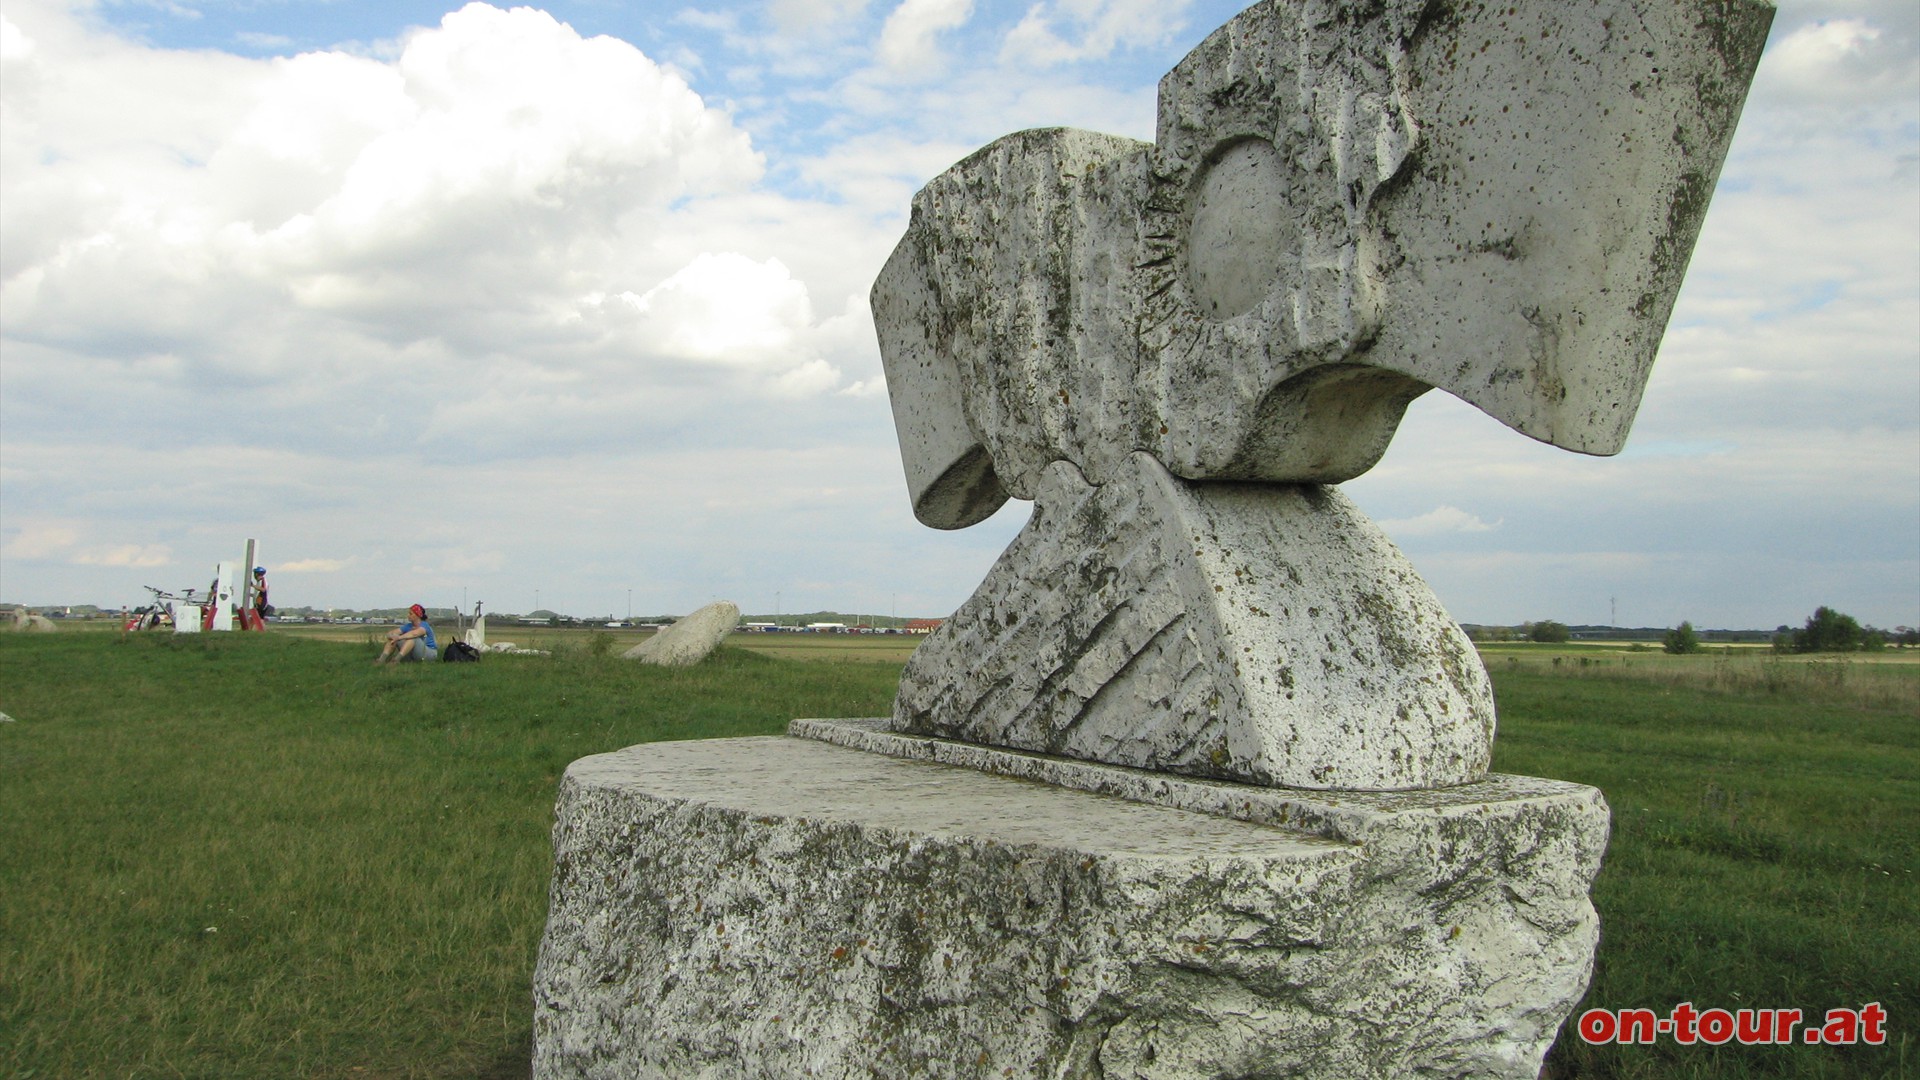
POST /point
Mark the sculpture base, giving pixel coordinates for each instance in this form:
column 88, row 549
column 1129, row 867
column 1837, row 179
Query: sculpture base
column 784, row 907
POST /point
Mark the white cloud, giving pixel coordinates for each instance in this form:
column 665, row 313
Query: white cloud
column 1066, row 31
column 806, row 16
column 1441, row 519
column 907, row 42
column 313, row 566
column 263, row 41
column 397, row 247
column 724, row 308
column 15, row 45
column 495, row 157
column 1834, row 61
column 865, row 388
column 807, row 380
column 42, row 541
column 141, row 556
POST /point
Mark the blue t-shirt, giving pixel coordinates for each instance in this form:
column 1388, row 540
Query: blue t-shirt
column 428, row 627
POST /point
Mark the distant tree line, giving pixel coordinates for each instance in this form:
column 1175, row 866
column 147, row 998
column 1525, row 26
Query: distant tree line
column 1828, row 630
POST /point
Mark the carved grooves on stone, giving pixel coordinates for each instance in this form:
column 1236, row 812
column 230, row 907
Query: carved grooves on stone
column 1153, row 622
column 1111, row 676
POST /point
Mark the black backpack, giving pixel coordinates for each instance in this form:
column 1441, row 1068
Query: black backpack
column 459, row 652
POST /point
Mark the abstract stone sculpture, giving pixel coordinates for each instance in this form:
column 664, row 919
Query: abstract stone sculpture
column 691, row 638
column 1347, row 204
column 1194, row 786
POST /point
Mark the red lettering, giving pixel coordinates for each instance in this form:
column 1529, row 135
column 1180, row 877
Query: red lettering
column 1638, row 1025
column 1596, row 1026
column 1871, row 1017
column 1683, row 1019
column 1716, row 1026
column 1753, row 1027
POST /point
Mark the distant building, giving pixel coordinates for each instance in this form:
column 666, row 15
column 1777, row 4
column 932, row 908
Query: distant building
column 922, row 626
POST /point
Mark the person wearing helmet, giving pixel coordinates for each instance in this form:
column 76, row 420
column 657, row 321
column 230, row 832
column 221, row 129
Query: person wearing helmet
column 260, row 605
column 413, row 641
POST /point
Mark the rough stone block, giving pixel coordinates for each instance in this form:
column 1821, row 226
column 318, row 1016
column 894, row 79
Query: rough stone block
column 1259, row 632
column 27, row 622
column 1346, row 204
column 780, row 907
column 690, row 639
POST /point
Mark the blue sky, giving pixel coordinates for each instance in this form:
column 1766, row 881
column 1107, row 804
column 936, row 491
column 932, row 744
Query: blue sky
column 440, row 302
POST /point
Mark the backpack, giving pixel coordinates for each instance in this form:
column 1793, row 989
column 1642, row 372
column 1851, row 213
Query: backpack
column 459, row 652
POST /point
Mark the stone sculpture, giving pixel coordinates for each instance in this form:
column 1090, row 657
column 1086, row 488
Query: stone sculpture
column 690, row 639
column 1347, row 205
column 1194, row 786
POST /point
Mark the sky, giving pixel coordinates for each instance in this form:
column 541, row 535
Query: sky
column 565, row 307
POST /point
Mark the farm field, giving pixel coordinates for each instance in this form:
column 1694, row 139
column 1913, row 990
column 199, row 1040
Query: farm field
column 894, row 648
column 261, row 856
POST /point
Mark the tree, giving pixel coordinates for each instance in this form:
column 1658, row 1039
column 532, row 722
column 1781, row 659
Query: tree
column 1549, row 631
column 1828, row 630
column 1681, row 639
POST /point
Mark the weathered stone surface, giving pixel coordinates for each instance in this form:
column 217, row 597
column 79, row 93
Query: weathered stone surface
column 775, row 908
column 690, row 639
column 510, row 649
column 1168, row 346
column 1259, row 632
column 1347, row 203
column 25, row 621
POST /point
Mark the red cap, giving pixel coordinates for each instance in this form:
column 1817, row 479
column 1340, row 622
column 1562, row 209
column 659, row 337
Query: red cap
column 417, row 611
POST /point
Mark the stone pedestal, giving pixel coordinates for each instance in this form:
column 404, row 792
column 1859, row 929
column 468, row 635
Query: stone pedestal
column 906, row 906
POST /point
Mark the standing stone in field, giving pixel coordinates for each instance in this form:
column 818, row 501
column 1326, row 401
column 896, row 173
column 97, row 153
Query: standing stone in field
column 1194, row 786
column 25, row 621
column 689, row 640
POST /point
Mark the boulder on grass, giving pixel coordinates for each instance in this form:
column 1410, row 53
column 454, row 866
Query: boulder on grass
column 688, row 640
column 25, row 621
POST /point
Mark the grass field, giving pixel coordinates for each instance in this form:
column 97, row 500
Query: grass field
column 260, row 856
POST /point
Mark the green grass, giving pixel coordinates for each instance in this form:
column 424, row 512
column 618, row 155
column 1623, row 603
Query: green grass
column 1887, row 679
column 260, row 856
column 247, row 855
column 1763, row 855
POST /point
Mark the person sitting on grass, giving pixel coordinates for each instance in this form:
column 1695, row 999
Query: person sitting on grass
column 413, row 641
